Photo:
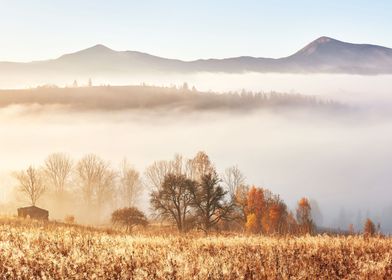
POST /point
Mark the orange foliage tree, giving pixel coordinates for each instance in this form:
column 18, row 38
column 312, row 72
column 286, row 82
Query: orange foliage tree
column 251, row 223
column 369, row 228
column 255, row 205
column 266, row 213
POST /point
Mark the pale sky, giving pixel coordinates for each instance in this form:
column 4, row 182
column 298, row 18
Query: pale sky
column 35, row 30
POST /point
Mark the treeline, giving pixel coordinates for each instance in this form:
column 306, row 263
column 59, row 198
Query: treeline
column 150, row 97
column 191, row 194
column 188, row 193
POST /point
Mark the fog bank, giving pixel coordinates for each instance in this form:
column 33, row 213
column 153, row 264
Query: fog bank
column 341, row 160
column 336, row 161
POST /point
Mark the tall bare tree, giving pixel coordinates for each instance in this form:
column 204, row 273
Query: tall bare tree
column 233, row 179
column 199, row 166
column 234, row 182
column 58, row 168
column 173, row 200
column 192, row 168
column 130, row 184
column 31, row 183
column 156, row 173
column 96, row 180
column 105, row 188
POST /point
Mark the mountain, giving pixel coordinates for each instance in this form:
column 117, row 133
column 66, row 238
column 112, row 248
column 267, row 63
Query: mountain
column 330, row 55
column 324, row 55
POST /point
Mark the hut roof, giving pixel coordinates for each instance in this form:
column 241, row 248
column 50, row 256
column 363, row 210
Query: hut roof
column 33, row 208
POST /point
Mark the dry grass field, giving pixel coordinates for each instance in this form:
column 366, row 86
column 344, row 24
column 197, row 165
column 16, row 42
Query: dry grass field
column 34, row 250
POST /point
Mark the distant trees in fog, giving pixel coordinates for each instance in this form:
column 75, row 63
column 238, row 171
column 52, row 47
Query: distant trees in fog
column 91, row 182
column 304, row 216
column 58, row 170
column 130, row 184
column 149, row 97
column 189, row 193
column 96, row 181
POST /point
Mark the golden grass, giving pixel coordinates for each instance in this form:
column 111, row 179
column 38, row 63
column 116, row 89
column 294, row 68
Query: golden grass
column 34, row 250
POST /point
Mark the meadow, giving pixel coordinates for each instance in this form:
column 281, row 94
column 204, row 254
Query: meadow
column 48, row 250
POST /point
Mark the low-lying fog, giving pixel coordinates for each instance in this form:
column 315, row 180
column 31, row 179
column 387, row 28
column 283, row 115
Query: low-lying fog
column 343, row 161
column 348, row 88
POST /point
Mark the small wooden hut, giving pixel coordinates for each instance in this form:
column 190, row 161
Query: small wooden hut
column 33, row 212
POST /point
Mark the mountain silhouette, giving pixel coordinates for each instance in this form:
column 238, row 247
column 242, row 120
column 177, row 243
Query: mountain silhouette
column 324, row 55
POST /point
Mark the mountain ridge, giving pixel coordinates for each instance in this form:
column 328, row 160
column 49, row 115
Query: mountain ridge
column 323, row 55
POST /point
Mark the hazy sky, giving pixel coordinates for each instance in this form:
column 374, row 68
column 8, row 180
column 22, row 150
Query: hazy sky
column 33, row 30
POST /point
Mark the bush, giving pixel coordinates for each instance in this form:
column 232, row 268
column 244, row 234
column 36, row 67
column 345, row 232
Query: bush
column 129, row 218
column 69, row 219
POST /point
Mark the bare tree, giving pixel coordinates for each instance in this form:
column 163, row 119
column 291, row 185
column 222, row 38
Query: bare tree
column 199, row 166
column 31, row 183
column 233, row 179
column 96, row 180
column 130, row 184
column 156, row 173
column 87, row 170
column 234, row 182
column 173, row 200
column 192, row 168
column 58, row 168
column 105, row 186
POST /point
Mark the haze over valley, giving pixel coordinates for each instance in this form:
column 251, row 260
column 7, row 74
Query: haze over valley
column 195, row 139
column 316, row 122
column 325, row 146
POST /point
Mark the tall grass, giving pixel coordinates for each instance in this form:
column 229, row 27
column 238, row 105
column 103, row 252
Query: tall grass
column 35, row 250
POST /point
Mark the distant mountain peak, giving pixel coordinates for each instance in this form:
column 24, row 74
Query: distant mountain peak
column 313, row 47
column 323, row 39
column 98, row 49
